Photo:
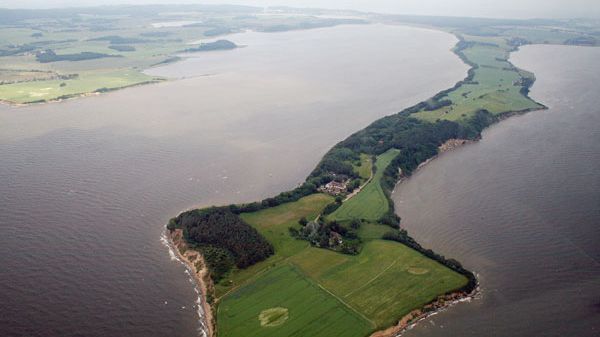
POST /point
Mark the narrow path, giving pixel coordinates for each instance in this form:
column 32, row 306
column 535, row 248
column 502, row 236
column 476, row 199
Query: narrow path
column 356, row 191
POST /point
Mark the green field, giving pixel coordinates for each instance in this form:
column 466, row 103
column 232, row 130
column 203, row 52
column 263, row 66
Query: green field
column 492, row 88
column 273, row 224
column 364, row 170
column 311, row 311
column 377, row 282
column 370, row 203
column 35, row 91
column 308, row 291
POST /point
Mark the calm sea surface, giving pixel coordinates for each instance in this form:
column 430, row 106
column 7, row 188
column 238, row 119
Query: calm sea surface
column 87, row 185
column 522, row 209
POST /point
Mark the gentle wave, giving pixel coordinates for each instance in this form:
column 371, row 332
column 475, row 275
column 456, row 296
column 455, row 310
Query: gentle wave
column 174, row 257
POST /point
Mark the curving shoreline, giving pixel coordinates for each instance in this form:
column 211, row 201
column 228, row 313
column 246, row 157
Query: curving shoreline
column 68, row 97
column 194, row 262
column 440, row 303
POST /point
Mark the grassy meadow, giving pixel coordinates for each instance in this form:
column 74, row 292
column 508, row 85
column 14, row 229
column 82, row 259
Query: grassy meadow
column 273, row 224
column 310, row 291
column 379, row 282
column 495, row 86
column 364, row 170
column 307, row 309
column 370, row 203
column 36, row 91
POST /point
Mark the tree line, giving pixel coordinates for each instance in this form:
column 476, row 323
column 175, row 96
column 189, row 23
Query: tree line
column 224, row 239
column 49, row 55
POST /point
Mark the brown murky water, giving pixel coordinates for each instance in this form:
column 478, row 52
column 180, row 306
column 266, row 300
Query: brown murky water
column 522, row 209
column 87, row 185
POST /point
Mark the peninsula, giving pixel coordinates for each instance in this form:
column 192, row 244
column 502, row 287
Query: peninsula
column 330, row 257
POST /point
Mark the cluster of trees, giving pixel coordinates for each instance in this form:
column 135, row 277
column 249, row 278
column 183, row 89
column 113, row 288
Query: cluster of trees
column 330, row 208
column 353, row 184
column 13, row 49
column 17, row 49
column 49, row 55
column 526, row 83
column 210, row 46
column 168, row 60
column 582, row 41
column 338, row 160
column 225, row 238
column 44, row 76
column 517, row 42
column 403, row 237
column 329, row 235
column 432, row 104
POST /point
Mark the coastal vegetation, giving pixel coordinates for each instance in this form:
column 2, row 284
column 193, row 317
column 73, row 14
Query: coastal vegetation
column 48, row 55
column 350, row 244
column 129, row 39
column 303, row 261
column 323, row 290
column 85, row 82
column 224, row 239
column 211, row 46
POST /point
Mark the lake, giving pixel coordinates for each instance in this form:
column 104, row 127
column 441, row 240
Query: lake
column 522, row 209
column 88, row 184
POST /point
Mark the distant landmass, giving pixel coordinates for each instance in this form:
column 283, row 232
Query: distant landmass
column 211, row 46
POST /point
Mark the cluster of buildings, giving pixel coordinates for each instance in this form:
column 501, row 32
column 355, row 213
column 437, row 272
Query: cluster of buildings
column 335, row 187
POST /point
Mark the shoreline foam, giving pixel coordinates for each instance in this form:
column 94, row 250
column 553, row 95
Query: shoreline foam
column 192, row 260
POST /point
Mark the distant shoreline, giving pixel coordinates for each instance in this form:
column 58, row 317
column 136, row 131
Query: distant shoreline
column 97, row 92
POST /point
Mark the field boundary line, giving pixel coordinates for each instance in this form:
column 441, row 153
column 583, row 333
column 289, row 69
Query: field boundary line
column 373, row 279
column 310, row 279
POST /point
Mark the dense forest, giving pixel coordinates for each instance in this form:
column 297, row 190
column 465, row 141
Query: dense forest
column 210, row 46
column 49, row 55
column 224, row 239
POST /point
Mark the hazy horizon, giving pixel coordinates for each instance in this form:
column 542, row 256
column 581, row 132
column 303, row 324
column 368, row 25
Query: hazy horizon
column 482, row 8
